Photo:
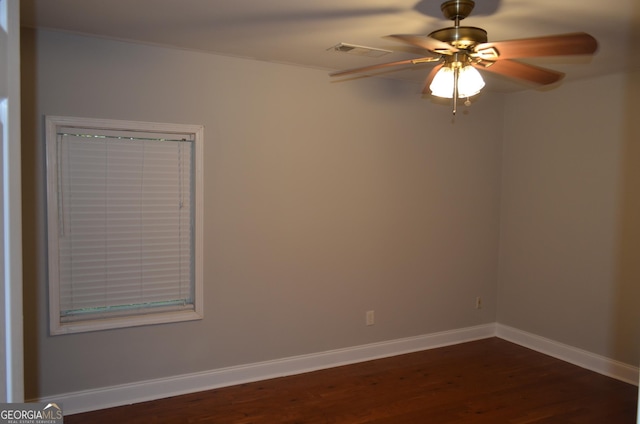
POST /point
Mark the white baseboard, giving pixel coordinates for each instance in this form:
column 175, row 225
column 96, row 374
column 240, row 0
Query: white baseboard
column 108, row 397
column 573, row 355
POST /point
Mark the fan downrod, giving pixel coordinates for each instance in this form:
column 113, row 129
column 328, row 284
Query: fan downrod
column 457, row 10
column 461, row 37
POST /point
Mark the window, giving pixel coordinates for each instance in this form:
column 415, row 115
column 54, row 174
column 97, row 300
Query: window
column 124, row 223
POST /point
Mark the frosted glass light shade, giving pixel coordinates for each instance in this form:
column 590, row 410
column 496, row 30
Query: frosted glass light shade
column 470, row 82
column 442, row 84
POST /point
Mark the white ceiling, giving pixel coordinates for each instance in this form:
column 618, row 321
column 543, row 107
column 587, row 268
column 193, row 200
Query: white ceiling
column 303, row 32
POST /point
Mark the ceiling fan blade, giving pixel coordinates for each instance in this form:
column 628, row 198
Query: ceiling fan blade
column 427, row 43
column 553, row 45
column 381, row 66
column 523, row 71
column 427, row 81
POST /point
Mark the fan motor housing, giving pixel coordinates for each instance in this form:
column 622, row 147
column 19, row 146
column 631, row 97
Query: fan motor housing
column 461, row 37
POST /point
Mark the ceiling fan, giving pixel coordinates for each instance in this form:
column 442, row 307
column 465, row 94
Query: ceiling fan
column 461, row 50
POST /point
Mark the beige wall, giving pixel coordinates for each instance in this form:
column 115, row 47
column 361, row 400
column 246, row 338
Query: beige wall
column 322, row 200
column 570, row 228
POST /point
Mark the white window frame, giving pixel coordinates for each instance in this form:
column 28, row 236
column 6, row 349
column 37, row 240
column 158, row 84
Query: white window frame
column 93, row 323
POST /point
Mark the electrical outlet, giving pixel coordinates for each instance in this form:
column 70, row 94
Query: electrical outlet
column 370, row 318
column 478, row 302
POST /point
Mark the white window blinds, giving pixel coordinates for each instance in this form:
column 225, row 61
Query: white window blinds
column 125, row 223
column 125, row 236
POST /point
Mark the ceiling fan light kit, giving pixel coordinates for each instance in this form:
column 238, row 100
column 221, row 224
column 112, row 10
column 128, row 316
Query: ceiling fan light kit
column 463, row 50
column 469, row 82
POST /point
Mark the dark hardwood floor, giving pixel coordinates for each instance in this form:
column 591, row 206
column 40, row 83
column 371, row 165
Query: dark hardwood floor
column 487, row 381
